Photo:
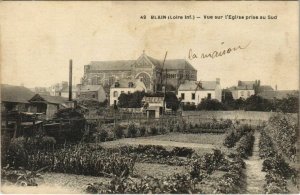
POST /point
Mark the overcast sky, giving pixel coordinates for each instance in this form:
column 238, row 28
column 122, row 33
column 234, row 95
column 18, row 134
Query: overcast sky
column 39, row 38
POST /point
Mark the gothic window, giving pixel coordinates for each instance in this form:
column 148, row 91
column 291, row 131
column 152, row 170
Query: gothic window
column 145, row 78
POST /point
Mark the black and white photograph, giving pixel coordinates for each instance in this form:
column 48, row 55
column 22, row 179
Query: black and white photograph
column 149, row 97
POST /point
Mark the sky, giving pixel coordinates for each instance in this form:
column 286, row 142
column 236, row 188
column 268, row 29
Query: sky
column 39, row 38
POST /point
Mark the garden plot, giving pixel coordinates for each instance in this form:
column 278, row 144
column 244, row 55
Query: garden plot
column 201, row 143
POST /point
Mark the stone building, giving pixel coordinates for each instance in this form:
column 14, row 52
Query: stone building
column 152, row 72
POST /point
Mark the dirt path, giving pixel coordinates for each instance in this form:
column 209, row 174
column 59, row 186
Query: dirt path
column 255, row 177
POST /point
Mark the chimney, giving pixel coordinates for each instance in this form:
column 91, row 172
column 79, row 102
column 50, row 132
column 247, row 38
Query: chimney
column 218, row 81
column 70, row 80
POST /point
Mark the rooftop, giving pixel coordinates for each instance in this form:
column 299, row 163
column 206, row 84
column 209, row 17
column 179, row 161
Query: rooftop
column 279, row 94
column 18, row 94
column 197, row 85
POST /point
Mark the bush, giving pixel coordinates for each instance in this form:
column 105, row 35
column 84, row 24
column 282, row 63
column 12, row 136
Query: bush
column 245, row 145
column 142, row 131
column 103, row 135
column 153, row 131
column 182, row 151
column 119, row 131
column 132, row 130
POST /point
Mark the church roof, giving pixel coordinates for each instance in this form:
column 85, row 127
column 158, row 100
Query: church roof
column 127, row 64
column 112, row 65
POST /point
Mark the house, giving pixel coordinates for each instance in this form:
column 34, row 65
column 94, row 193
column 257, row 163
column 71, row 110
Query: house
column 278, row 94
column 153, row 106
column 55, row 90
column 194, row 92
column 126, row 85
column 47, row 104
column 245, row 89
column 64, row 92
column 93, row 92
column 15, row 98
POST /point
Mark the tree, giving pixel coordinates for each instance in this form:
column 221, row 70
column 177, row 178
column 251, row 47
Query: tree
column 210, row 104
column 172, row 101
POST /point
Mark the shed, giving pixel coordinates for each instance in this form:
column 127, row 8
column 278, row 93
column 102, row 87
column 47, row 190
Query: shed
column 46, row 104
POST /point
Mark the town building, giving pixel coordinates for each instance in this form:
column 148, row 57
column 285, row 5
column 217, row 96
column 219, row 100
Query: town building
column 47, row 104
column 125, row 85
column 152, row 72
column 278, row 94
column 153, row 106
column 194, row 92
column 92, row 92
column 64, row 92
column 15, row 98
column 55, row 90
column 244, row 89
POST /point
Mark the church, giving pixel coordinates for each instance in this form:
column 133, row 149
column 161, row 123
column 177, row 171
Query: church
column 154, row 73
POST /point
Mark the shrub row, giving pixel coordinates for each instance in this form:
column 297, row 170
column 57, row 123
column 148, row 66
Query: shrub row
column 278, row 171
column 174, row 184
column 80, row 159
column 245, row 145
column 233, row 181
column 234, row 135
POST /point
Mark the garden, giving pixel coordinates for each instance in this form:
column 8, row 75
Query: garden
column 175, row 158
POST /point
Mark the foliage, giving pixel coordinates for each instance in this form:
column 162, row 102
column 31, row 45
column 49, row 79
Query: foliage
column 266, row 148
column 283, row 129
column 232, row 181
column 142, row 131
column 131, row 100
column 278, row 165
column 172, row 101
column 82, row 159
column 245, row 145
column 174, row 184
column 103, row 135
column 210, row 104
column 182, row 151
column 119, row 131
column 132, row 130
column 275, row 184
column 21, row 176
column 153, row 131
column 234, row 135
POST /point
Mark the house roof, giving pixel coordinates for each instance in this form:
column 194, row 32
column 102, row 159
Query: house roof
column 86, row 88
column 194, row 85
column 153, row 99
column 244, row 87
column 124, row 82
column 279, row 94
column 19, row 94
column 66, row 89
column 265, row 88
column 48, row 99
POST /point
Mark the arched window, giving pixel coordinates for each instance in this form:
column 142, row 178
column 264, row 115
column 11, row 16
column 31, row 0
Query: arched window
column 115, row 94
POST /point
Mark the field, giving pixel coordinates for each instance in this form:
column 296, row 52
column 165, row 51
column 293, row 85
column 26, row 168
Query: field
column 242, row 160
column 201, row 143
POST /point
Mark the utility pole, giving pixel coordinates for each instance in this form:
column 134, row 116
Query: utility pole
column 164, row 102
column 162, row 69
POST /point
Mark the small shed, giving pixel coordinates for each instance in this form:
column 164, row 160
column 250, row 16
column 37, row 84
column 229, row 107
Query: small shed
column 46, row 104
column 153, row 106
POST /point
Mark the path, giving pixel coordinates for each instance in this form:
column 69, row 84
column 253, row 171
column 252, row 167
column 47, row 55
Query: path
column 255, row 177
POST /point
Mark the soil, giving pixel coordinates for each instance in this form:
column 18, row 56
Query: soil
column 255, row 176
